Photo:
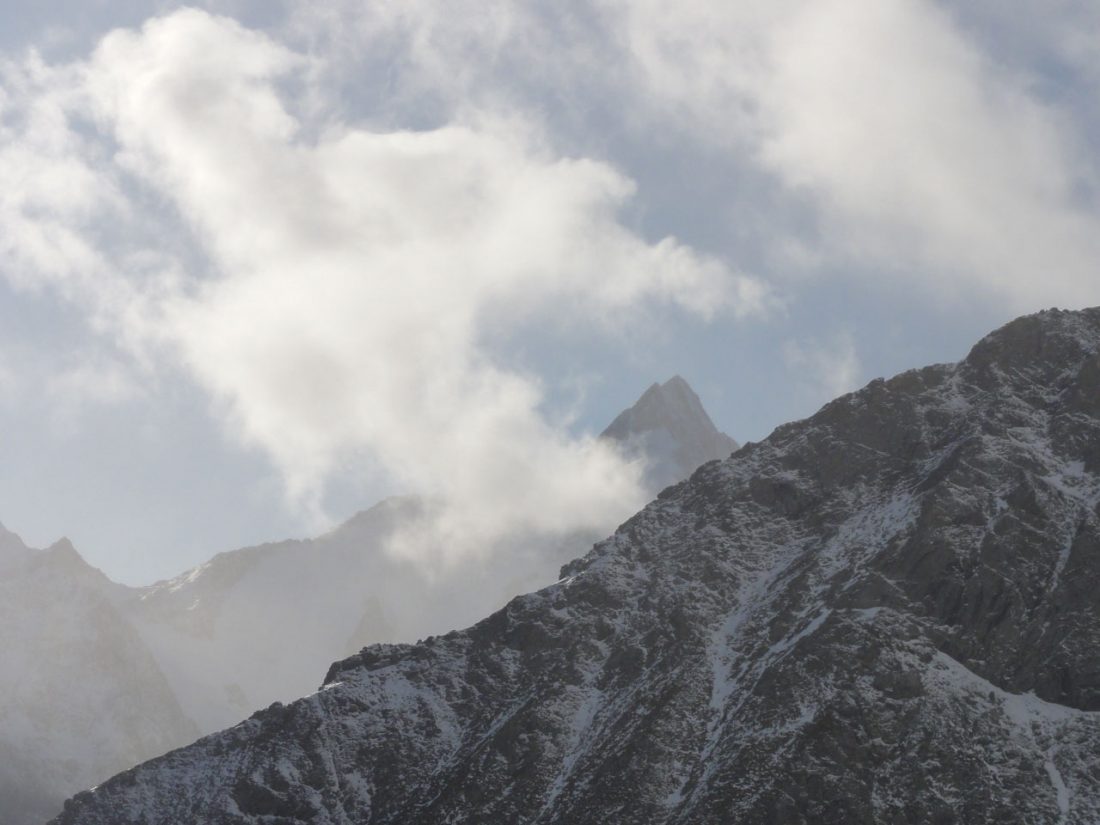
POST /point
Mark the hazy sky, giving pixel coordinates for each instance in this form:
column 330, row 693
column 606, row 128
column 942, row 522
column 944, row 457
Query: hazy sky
column 262, row 264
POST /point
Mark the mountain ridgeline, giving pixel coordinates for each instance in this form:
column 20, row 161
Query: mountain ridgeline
column 96, row 677
column 887, row 612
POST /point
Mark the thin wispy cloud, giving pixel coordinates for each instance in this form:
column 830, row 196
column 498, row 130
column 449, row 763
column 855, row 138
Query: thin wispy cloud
column 924, row 159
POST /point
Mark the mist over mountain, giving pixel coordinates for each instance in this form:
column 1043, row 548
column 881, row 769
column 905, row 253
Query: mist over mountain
column 99, row 677
column 81, row 696
column 257, row 625
column 316, row 322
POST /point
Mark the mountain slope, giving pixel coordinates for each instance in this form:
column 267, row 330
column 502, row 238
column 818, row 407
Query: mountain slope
column 257, row 625
column 81, row 698
column 886, row 612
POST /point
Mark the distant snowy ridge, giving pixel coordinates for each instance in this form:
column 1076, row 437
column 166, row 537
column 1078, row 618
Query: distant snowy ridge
column 884, row 613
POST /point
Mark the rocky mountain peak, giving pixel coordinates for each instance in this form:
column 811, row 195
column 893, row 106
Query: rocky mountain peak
column 65, row 561
column 1046, row 345
column 63, row 550
column 669, row 429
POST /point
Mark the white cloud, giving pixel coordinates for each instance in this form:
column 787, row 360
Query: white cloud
column 352, row 275
column 827, row 368
column 924, row 158
column 50, row 190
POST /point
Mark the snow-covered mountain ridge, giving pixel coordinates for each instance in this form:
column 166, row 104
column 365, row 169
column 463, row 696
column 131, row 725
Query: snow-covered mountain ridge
column 884, row 613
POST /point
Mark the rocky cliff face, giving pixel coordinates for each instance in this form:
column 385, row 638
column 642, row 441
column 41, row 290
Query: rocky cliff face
column 885, row 613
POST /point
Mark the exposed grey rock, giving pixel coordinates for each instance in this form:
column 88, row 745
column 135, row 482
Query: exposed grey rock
column 885, row 613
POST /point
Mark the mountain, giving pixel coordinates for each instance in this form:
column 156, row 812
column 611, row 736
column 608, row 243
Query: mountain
column 669, row 429
column 99, row 677
column 81, row 698
column 257, row 625
column 884, row 613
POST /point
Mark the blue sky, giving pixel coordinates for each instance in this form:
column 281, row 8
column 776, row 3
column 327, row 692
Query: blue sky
column 261, row 265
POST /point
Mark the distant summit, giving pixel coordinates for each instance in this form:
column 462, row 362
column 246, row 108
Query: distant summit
column 670, row 429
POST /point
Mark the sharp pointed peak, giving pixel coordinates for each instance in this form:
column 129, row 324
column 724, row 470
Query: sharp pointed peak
column 660, row 405
column 62, row 545
column 676, row 382
column 675, row 390
column 671, row 428
column 62, row 551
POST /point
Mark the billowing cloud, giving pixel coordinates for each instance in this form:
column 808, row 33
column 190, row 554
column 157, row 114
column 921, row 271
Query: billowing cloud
column 341, row 282
column 51, row 190
column 921, row 157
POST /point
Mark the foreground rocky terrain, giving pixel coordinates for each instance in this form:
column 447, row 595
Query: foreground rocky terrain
column 885, row 613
